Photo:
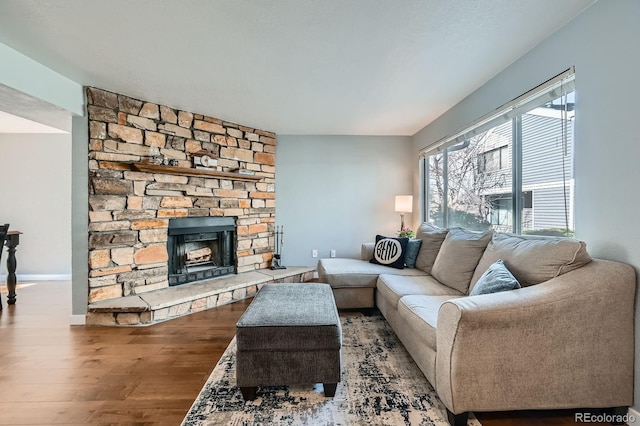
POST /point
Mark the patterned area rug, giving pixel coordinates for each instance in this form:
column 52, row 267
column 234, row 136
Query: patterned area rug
column 381, row 385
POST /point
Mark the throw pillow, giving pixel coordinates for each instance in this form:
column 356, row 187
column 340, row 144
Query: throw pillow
column 432, row 238
column 495, row 279
column 390, row 251
column 413, row 248
column 458, row 257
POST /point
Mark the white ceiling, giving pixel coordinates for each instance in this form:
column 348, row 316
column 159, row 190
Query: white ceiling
column 366, row 67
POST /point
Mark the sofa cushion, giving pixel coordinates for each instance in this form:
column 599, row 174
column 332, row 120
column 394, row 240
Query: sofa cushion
column 366, row 251
column 420, row 315
column 413, row 248
column 533, row 259
column 393, row 287
column 390, row 251
column 432, row 238
column 346, row 273
column 458, row 257
column 495, row 279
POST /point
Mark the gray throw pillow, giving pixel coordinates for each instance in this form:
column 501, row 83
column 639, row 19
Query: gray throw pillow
column 413, row 248
column 495, row 279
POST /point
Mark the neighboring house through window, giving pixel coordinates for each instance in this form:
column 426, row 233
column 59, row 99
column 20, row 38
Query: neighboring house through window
column 513, row 171
column 494, row 160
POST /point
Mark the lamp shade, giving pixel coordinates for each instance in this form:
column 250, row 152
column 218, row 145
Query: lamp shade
column 404, row 203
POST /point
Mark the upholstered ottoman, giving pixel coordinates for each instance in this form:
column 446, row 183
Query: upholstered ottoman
column 290, row 334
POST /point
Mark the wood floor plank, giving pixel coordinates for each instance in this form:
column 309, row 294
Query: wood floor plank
column 150, row 412
column 53, row 375
column 47, row 413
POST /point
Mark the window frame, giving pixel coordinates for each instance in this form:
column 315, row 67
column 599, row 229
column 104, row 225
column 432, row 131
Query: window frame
column 502, row 151
column 552, row 89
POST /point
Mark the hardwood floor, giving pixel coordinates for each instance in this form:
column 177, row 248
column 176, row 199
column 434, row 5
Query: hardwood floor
column 55, row 374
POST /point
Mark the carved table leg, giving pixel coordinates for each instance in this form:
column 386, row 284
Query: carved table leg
column 12, row 241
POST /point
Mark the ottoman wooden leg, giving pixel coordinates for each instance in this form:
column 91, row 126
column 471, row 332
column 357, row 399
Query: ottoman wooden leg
column 249, row 393
column 330, row 389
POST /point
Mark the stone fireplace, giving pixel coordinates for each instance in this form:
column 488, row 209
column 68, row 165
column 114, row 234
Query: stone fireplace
column 132, row 209
column 201, row 248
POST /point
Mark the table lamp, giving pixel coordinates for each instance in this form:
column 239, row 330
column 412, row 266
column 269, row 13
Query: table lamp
column 404, row 204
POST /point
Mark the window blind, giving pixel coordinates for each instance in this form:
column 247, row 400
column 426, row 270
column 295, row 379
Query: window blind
column 549, row 90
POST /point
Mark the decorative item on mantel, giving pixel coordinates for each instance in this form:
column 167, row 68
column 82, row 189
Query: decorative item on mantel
column 276, row 263
column 160, row 160
column 243, row 171
column 205, row 160
column 205, row 164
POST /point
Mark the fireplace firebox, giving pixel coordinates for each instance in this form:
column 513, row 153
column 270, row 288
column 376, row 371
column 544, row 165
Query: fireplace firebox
column 201, row 248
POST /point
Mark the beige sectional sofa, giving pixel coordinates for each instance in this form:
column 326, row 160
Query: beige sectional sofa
column 563, row 340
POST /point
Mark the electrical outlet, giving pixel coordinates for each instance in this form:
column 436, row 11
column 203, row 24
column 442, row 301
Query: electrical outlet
column 333, row 253
column 314, row 253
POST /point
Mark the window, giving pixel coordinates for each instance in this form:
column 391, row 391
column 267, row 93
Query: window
column 435, row 189
column 547, row 168
column 500, row 212
column 511, row 171
column 494, row 160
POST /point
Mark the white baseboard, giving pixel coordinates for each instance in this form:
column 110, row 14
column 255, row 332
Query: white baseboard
column 634, row 417
column 77, row 320
column 36, row 277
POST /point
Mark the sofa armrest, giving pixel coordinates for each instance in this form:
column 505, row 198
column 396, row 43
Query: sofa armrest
column 565, row 343
column 366, row 251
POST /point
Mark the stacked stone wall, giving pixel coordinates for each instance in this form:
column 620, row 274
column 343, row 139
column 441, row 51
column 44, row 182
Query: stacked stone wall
column 129, row 211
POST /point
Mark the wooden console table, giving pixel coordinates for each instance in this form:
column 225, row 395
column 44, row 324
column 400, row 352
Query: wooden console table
column 11, row 241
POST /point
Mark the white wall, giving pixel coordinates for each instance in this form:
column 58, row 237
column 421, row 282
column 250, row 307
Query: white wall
column 602, row 43
column 23, row 74
column 36, row 199
column 336, row 192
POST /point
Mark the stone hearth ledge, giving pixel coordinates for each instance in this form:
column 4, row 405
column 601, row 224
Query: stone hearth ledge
column 173, row 302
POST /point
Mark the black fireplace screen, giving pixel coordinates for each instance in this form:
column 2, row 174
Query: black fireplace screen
column 200, row 248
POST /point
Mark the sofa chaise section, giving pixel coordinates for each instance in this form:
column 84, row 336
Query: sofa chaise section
column 353, row 281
